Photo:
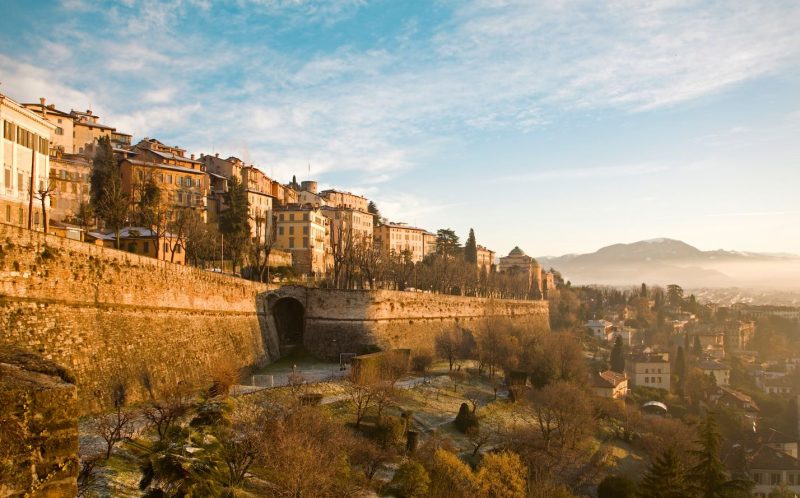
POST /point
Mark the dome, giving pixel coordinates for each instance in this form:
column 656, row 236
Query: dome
column 516, row 252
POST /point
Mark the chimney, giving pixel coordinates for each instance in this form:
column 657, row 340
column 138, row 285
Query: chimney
column 192, row 157
column 89, row 112
column 216, row 155
column 44, row 107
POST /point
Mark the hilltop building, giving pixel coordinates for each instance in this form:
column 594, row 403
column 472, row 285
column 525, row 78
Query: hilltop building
column 610, row 384
column 399, row 237
column 70, row 177
column 519, row 263
column 304, row 231
column 25, row 155
column 183, row 180
column 485, row 259
column 76, row 131
column 649, row 370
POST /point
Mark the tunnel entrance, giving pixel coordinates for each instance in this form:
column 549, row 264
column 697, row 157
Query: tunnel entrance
column 290, row 321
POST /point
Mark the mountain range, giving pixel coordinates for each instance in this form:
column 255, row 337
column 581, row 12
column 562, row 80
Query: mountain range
column 664, row 261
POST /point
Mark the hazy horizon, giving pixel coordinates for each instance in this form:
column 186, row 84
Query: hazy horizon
column 557, row 128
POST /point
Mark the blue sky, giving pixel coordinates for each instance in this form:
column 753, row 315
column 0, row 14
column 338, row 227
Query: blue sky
column 557, row 126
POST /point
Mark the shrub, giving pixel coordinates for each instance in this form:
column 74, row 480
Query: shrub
column 411, row 480
column 466, row 420
column 421, row 362
column 616, row 487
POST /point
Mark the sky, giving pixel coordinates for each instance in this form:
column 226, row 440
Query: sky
column 557, row 126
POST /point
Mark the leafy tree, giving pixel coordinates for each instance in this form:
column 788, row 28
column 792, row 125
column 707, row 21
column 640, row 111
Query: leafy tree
column 471, row 248
column 616, row 487
column 708, row 477
column 465, row 419
column 502, row 474
column 410, row 481
column 450, row 476
column 665, row 478
column 234, row 222
column 113, row 207
column 618, row 356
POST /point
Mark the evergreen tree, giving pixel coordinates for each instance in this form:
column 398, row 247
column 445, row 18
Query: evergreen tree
column 618, row 356
column 104, row 169
column 680, row 368
column 697, row 348
column 372, row 208
column 234, row 222
column 686, row 344
column 665, row 478
column 616, row 487
column 447, row 243
column 471, row 249
column 708, row 477
column 644, row 290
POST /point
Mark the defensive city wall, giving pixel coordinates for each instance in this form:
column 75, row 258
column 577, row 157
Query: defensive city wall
column 111, row 318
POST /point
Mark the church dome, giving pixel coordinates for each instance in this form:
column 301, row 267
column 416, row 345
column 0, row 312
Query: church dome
column 516, row 252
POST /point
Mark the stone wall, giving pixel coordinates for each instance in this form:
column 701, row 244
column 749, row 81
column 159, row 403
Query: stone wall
column 112, row 317
column 360, row 321
column 38, row 429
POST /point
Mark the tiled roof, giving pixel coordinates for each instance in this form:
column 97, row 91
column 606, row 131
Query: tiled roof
column 767, row 458
column 608, row 378
column 164, row 166
column 712, row 365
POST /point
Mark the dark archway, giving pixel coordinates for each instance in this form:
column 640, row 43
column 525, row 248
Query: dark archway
column 289, row 316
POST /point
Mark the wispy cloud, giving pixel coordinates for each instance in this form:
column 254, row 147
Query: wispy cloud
column 585, row 173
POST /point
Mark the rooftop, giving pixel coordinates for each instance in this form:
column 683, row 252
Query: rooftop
column 608, row 378
column 766, row 458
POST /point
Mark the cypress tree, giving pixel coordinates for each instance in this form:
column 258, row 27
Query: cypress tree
column 680, row 368
column 697, row 348
column 234, row 222
column 471, row 248
column 618, row 356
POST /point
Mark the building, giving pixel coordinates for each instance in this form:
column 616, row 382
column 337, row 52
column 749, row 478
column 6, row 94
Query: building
column 399, row 237
column 304, row 231
column 720, row 371
column 485, row 259
column 341, row 199
column 25, row 155
column 739, row 334
column 601, row 329
column 782, row 385
column 259, row 199
column 345, row 222
column 770, row 469
column 183, row 181
column 519, row 263
column 70, row 180
column 428, row 243
column 76, row 131
column 610, row 384
column 143, row 241
column 649, row 370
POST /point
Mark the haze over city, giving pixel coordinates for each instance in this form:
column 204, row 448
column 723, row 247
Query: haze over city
column 558, row 127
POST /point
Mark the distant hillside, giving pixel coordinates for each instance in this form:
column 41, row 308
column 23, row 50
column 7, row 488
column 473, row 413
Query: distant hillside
column 663, row 261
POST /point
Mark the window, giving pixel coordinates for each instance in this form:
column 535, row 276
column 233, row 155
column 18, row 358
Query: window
column 305, row 216
column 169, row 179
column 132, row 247
column 757, row 477
column 291, row 242
column 20, row 182
column 178, row 249
column 291, row 230
column 146, row 247
column 59, row 130
column 305, row 242
column 291, row 216
column 305, row 230
column 8, row 214
column 8, row 177
column 21, row 216
column 8, row 130
column 775, row 478
column 166, row 247
column 280, row 230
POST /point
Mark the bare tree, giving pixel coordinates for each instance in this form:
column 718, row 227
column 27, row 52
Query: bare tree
column 169, row 410
column 44, row 193
column 263, row 241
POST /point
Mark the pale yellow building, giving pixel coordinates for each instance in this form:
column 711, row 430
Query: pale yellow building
column 351, row 223
column 25, row 156
column 399, row 237
column 346, row 200
column 485, row 259
column 76, row 131
column 519, row 263
column 70, row 179
column 428, row 243
column 183, row 180
column 304, row 231
column 649, row 370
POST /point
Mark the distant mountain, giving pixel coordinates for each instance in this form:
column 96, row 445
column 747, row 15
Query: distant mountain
column 664, row 261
